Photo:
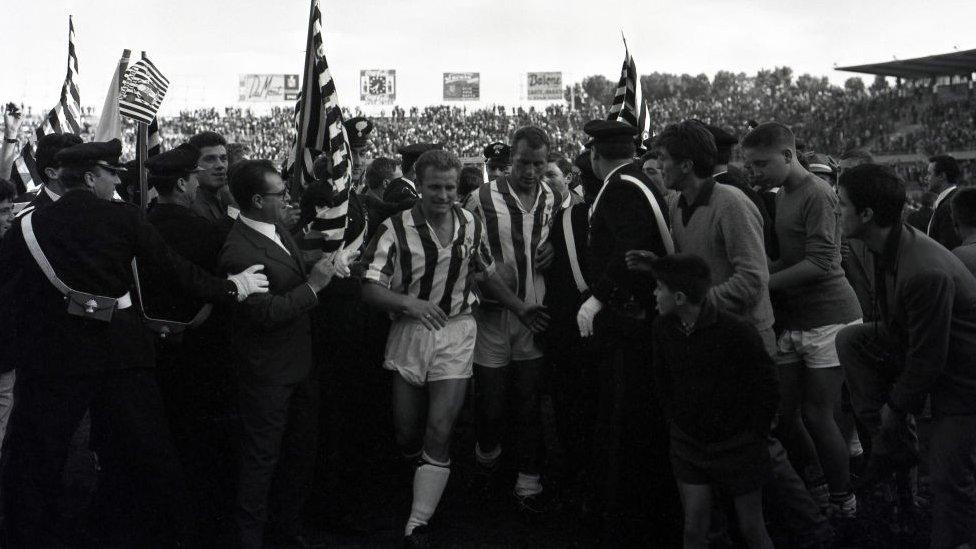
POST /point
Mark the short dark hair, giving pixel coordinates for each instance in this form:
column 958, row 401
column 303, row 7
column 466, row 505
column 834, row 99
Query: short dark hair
column 877, row 187
column 164, row 185
column 470, row 180
column 770, row 134
column 858, row 154
column 207, row 139
column 651, row 154
column 963, row 206
column 248, row 178
column 946, row 165
column 690, row 140
column 378, row 171
column 48, row 146
column 534, row 136
column 615, row 149
column 8, row 191
column 561, row 162
column 438, row 160
column 72, row 177
column 685, row 273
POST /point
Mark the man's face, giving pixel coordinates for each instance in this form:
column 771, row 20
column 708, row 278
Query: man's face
column 528, row 166
column 102, row 182
column 851, row 222
column 665, row 299
column 213, row 165
column 556, row 180
column 438, row 191
column 190, row 185
column 274, row 199
column 358, row 163
column 932, row 180
column 768, row 167
column 496, row 171
column 6, row 216
column 672, row 171
column 652, row 169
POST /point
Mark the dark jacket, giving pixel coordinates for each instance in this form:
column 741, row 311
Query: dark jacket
column 717, row 381
column 928, row 303
column 563, row 298
column 272, row 331
column 622, row 221
column 941, row 227
column 90, row 243
column 402, row 192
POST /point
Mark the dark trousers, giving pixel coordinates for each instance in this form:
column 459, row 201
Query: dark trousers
column 277, row 456
column 141, row 478
column 863, row 351
column 571, row 375
column 635, row 491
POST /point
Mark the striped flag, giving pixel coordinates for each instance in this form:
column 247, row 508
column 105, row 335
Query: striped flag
column 143, row 89
column 320, row 131
column 66, row 115
column 624, row 106
column 154, row 143
column 23, row 173
column 644, row 122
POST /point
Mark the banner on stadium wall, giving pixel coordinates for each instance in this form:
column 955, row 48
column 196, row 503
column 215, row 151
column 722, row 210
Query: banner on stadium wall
column 377, row 87
column 267, row 88
column 544, row 86
column 462, row 86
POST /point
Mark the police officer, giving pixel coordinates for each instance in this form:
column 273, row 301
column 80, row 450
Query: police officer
column 66, row 302
column 403, row 190
column 635, row 494
column 358, row 130
column 195, row 369
column 498, row 159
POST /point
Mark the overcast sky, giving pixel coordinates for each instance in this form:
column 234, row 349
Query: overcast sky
column 203, row 45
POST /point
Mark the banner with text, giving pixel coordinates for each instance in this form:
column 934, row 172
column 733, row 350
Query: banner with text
column 462, row 86
column 377, row 87
column 544, row 86
column 267, row 88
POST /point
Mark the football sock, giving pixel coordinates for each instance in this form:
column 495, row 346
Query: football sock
column 429, row 482
column 487, row 459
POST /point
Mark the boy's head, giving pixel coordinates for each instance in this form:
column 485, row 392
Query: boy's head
column 682, row 280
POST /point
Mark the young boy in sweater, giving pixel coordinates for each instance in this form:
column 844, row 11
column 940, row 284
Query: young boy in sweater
column 718, row 388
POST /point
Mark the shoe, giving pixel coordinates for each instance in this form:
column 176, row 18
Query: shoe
column 537, row 504
column 420, row 537
column 844, row 507
column 821, row 495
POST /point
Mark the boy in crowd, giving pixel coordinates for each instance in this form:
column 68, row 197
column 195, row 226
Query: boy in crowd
column 718, row 388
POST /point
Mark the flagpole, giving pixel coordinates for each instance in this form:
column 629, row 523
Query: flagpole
column 142, row 140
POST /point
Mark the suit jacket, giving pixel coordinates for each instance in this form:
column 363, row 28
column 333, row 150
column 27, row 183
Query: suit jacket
column 943, row 231
column 272, row 332
column 90, row 244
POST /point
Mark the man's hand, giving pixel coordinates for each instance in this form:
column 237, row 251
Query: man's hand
column 343, row 260
column 250, row 281
column 322, row 273
column 586, row 314
column 639, row 260
column 11, row 121
column 544, row 256
column 535, row 317
column 429, row 314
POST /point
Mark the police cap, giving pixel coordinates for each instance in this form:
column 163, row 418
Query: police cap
column 96, row 153
column 358, row 130
column 498, row 153
column 609, row 131
column 175, row 163
column 411, row 153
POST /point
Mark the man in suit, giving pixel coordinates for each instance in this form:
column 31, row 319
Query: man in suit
column 278, row 398
column 942, row 178
column 77, row 349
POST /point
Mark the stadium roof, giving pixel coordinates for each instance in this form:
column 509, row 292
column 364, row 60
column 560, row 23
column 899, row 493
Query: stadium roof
column 946, row 64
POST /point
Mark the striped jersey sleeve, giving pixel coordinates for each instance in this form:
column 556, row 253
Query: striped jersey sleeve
column 381, row 255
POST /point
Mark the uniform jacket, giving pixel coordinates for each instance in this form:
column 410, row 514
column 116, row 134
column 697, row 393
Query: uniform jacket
column 90, row 243
column 272, row 331
column 623, row 221
column 403, row 192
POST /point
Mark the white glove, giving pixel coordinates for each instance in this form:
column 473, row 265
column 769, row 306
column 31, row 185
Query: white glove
column 250, row 281
column 586, row 314
column 341, row 261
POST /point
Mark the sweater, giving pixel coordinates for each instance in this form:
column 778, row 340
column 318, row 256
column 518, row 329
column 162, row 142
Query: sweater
column 807, row 229
column 724, row 228
column 718, row 380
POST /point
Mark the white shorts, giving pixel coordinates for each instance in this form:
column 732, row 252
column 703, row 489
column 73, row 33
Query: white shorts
column 813, row 348
column 502, row 338
column 421, row 355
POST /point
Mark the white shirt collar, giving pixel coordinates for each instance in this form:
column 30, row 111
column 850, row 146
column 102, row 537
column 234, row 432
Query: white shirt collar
column 267, row 229
column 51, row 194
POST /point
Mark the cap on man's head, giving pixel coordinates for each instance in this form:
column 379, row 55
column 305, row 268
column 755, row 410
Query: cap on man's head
column 609, row 131
column 821, row 163
column 103, row 154
column 723, row 138
column 175, row 163
column 358, row 130
column 498, row 153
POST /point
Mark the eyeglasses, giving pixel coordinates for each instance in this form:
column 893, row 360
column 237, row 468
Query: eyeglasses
column 281, row 194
